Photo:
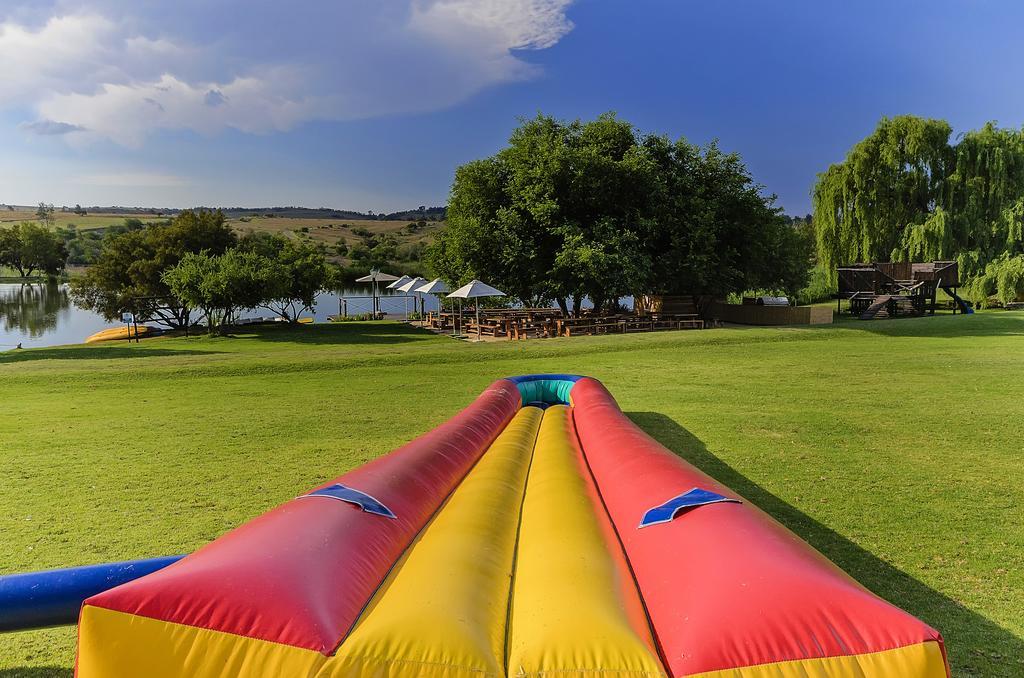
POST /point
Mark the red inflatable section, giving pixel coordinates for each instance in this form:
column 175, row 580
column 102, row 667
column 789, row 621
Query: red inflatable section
column 725, row 585
column 302, row 573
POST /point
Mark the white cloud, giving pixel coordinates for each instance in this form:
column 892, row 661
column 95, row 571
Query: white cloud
column 113, row 71
column 127, row 113
column 514, row 24
column 50, row 127
column 73, row 52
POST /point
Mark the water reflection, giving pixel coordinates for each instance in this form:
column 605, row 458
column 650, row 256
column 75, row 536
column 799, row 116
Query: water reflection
column 42, row 314
column 32, row 309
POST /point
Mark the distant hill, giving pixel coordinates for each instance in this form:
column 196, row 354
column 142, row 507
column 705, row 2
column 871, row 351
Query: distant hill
column 436, row 213
column 291, row 212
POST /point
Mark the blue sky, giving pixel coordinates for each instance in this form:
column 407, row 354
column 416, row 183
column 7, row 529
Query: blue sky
column 371, row 104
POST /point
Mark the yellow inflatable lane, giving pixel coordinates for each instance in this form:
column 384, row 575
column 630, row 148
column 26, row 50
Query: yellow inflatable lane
column 442, row 611
column 575, row 610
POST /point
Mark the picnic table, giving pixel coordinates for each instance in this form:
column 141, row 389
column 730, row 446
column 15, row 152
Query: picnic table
column 523, row 323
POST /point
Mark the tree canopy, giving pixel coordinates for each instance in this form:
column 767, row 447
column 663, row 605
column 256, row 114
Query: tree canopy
column 301, row 272
column 907, row 193
column 222, row 285
column 29, row 248
column 127, row 275
column 596, row 209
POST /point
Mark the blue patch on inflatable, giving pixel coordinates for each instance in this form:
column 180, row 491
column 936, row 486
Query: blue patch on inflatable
column 671, row 508
column 347, row 494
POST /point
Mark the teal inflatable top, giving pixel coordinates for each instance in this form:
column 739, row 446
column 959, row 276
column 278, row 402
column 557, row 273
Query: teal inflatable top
column 545, row 389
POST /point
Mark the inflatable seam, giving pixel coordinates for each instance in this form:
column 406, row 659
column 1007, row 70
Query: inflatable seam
column 515, row 552
column 191, row 626
column 385, row 661
column 625, row 554
column 416, row 536
column 578, row 672
column 822, row 658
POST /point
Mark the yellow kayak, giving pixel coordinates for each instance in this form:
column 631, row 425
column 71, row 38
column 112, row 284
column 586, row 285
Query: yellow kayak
column 115, row 333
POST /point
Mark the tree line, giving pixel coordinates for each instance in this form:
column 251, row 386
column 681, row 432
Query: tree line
column 197, row 268
column 908, row 193
column 598, row 210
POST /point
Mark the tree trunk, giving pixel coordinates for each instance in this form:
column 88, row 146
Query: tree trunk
column 563, row 306
column 577, row 303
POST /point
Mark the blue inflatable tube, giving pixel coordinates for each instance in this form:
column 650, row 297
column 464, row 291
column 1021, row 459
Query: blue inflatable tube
column 53, row 597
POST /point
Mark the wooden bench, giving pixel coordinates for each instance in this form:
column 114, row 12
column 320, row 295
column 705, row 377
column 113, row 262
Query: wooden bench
column 490, row 329
column 585, row 328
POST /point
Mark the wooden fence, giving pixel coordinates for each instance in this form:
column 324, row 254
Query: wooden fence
column 772, row 315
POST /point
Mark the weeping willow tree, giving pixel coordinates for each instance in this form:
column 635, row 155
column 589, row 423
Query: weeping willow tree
column 905, row 193
column 888, row 180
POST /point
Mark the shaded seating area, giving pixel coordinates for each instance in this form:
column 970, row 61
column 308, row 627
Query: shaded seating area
column 538, row 323
column 512, row 323
column 622, row 324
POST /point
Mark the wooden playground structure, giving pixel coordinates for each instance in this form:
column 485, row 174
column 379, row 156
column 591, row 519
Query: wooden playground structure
column 898, row 289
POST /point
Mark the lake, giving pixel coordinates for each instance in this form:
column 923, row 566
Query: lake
column 42, row 314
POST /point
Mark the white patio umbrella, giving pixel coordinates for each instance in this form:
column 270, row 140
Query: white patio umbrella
column 475, row 289
column 399, row 281
column 437, row 287
column 395, row 285
column 410, row 287
column 374, row 278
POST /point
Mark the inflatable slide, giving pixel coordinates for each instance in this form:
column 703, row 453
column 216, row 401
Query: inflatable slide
column 538, row 533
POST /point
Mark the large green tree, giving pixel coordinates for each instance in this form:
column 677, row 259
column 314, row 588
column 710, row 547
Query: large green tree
column 222, row 285
column 302, row 269
column 127, row 275
column 713, row 231
column 571, row 210
column 29, row 248
column 907, row 193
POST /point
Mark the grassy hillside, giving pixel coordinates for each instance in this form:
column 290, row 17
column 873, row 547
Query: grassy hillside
column 333, row 231
column 410, row 234
column 894, row 447
column 326, row 229
column 63, row 220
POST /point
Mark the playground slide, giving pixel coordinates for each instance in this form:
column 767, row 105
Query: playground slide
column 537, row 533
column 964, row 307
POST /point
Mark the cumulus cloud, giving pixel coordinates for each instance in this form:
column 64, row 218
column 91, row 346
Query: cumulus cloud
column 122, row 70
column 514, row 24
column 214, row 98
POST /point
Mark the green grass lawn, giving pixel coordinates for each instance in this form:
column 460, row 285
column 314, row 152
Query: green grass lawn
column 894, row 447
